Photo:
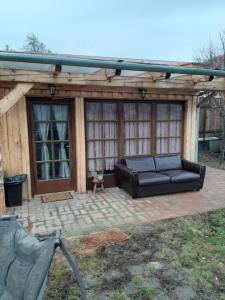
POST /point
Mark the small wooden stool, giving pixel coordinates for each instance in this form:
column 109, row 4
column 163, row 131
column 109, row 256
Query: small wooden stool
column 98, row 183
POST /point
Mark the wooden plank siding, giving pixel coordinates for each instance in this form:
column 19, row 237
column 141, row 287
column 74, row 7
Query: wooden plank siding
column 14, row 141
column 14, row 126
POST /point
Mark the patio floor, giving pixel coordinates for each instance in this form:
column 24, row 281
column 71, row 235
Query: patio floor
column 112, row 208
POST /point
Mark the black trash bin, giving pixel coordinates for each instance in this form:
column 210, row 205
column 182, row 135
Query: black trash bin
column 13, row 189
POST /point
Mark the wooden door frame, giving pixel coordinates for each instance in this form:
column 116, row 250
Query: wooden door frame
column 73, row 177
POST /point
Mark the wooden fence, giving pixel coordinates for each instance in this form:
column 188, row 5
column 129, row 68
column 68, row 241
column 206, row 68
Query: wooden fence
column 211, row 123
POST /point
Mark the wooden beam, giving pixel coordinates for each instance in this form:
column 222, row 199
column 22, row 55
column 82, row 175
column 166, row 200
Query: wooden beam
column 80, row 145
column 99, row 79
column 14, row 96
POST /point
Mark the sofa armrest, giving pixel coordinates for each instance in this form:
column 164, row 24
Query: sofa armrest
column 196, row 168
column 127, row 179
column 123, row 173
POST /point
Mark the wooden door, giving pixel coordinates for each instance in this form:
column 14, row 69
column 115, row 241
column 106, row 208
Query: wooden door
column 51, row 142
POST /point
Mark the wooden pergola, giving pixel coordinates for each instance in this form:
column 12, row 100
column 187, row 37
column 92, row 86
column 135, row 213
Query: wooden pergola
column 18, row 81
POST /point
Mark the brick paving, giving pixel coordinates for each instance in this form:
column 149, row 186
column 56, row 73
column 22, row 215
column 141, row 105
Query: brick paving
column 112, row 208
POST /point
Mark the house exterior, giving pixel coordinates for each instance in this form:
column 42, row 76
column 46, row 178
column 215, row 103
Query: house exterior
column 59, row 124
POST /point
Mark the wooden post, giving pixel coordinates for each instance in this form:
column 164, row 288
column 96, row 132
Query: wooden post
column 80, row 145
column 189, row 129
column 2, row 194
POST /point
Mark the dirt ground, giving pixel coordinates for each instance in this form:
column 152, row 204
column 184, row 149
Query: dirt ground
column 182, row 258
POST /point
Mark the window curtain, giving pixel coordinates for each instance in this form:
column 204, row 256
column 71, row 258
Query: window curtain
column 61, row 113
column 42, row 113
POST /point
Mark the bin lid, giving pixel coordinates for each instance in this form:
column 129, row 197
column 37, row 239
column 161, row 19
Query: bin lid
column 20, row 178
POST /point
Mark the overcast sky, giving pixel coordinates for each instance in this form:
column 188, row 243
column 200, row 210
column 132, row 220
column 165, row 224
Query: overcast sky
column 163, row 29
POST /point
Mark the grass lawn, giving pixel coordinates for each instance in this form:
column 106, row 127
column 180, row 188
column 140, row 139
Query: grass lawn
column 181, row 258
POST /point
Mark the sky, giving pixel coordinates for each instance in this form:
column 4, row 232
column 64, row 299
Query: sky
column 162, row 30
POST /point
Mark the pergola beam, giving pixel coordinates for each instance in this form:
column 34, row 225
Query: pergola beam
column 14, row 96
column 184, row 82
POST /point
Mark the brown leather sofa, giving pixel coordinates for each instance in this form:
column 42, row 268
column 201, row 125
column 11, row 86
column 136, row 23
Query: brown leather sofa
column 147, row 176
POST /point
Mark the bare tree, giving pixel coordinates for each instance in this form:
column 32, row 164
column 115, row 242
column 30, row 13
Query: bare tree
column 213, row 56
column 32, row 44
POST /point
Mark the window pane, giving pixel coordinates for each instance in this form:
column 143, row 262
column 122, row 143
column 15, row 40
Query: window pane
column 109, row 111
column 95, row 149
column 174, row 145
column 162, row 129
column 43, row 151
column 175, row 128
column 175, row 112
column 110, row 130
column 162, row 112
column 130, row 130
column 94, row 130
column 62, row 169
column 162, row 146
column 131, row 147
column 61, row 151
column 41, row 112
column 60, row 112
column 144, row 129
column 93, row 111
column 110, row 148
column 60, row 131
column 144, row 147
column 42, row 131
column 130, row 112
column 144, row 111
column 44, row 171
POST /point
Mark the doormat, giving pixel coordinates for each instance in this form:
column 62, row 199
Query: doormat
column 93, row 241
column 56, row 197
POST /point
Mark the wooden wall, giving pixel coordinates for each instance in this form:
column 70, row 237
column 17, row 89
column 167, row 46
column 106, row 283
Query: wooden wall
column 14, row 141
column 14, row 128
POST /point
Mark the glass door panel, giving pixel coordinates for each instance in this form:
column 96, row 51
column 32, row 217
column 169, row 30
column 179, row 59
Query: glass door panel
column 51, row 139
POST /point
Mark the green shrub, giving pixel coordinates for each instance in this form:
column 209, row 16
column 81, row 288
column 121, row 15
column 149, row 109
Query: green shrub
column 186, row 233
column 145, row 290
column 189, row 255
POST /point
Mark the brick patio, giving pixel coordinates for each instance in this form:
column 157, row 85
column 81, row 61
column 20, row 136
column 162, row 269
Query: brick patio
column 88, row 212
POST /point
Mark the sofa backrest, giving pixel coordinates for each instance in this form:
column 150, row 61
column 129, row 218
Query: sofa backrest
column 141, row 164
column 172, row 162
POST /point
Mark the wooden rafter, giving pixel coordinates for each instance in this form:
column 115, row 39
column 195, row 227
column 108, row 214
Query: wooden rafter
column 14, row 96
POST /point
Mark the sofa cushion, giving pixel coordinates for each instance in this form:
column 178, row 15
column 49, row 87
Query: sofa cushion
column 181, row 175
column 172, row 162
column 141, row 164
column 152, row 178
